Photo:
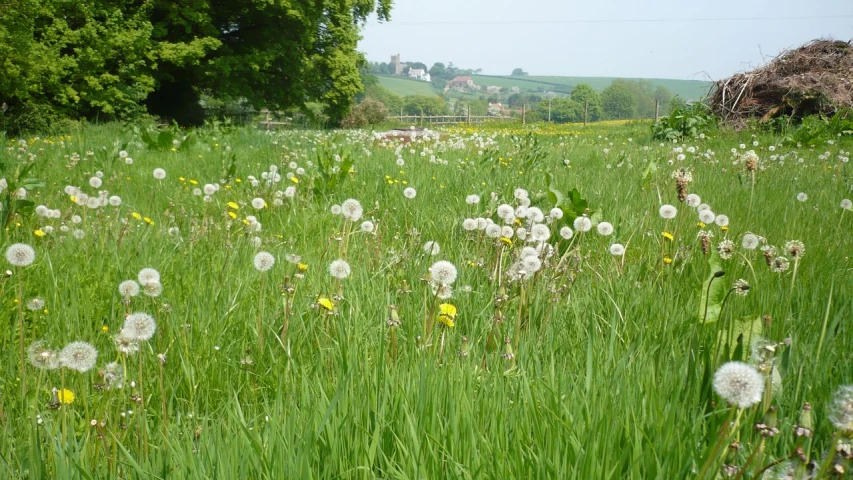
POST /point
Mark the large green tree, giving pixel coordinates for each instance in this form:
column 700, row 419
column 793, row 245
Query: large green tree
column 106, row 59
column 584, row 94
column 617, row 101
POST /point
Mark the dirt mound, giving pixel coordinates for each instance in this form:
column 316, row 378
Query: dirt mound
column 815, row 78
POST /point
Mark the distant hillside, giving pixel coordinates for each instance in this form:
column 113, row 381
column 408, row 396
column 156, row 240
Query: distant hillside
column 687, row 89
column 405, row 86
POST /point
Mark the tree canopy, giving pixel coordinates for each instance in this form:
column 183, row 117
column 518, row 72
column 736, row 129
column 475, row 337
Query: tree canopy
column 103, row 59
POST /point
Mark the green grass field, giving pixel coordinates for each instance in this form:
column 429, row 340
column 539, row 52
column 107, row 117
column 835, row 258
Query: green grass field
column 558, row 326
column 405, row 86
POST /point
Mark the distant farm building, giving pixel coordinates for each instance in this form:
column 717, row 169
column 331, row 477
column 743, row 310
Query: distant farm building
column 462, row 83
column 493, row 90
column 419, row 74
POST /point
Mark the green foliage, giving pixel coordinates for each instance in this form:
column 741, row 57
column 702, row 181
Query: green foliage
column 817, row 129
column 563, row 110
column 585, row 94
column 617, row 102
column 332, row 170
column 688, row 121
column 368, row 112
column 420, row 104
column 519, row 72
column 11, row 202
column 105, row 60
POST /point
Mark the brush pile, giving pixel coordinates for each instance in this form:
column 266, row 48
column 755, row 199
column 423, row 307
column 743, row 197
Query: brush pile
column 816, row 78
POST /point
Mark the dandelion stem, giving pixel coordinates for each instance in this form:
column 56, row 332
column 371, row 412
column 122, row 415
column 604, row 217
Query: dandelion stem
column 722, row 435
column 21, row 333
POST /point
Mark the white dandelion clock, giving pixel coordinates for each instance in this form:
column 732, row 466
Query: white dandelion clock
column 469, row 224
column 159, row 173
column 582, row 224
column 693, row 200
column 431, row 248
column 443, row 272
column 340, row 269
column 706, row 216
column 367, row 226
column 750, row 241
column 263, row 261
column 258, row 203
column 721, row 220
column 147, row 275
column 847, row 204
column 410, row 193
column 139, row 326
column 841, row 409
column 617, row 249
column 20, row 255
column 567, row 233
column 128, row 288
column 605, row 229
column 739, row 384
column 668, row 212
column 79, row 356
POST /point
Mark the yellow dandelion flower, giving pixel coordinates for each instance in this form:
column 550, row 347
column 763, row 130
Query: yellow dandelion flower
column 105, row 329
column 193, row 182
column 302, row 266
column 667, row 260
column 148, row 221
column 326, row 303
column 39, row 233
column 667, row 236
column 447, row 314
column 232, row 215
column 137, row 216
column 233, row 205
column 725, row 228
column 294, row 179
column 506, row 241
column 238, row 180
column 182, row 179
column 73, row 198
column 700, row 224
column 65, row 396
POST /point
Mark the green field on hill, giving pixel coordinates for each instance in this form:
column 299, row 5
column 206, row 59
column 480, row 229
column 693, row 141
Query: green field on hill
column 687, row 89
column 404, row 86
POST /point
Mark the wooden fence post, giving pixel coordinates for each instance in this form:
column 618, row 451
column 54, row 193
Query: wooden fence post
column 657, row 109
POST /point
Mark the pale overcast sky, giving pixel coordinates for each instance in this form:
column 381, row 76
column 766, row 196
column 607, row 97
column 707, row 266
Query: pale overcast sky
column 686, row 39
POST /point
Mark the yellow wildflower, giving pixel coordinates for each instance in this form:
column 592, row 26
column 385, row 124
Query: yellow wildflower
column 39, row 233
column 193, row 182
column 148, row 221
column 700, row 224
column 667, row 260
column 105, row 329
column 232, row 214
column 66, row 397
column 137, row 216
column 182, row 179
column 667, row 236
column 447, row 314
column 725, row 229
column 233, row 205
column 73, row 198
column 294, row 179
column 506, row 241
column 326, row 303
column 302, row 266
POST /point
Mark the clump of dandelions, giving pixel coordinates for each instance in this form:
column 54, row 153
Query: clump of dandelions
column 739, row 384
column 443, row 272
column 80, row 356
column 148, row 275
column 263, row 261
column 841, row 409
column 139, row 326
column 20, row 255
column 340, row 269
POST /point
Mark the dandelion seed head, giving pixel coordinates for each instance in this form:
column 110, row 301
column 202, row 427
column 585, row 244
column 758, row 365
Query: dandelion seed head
column 351, row 209
column 258, row 203
column 152, row 289
column 841, row 409
column 340, row 269
column 668, row 212
column 80, row 356
column 472, row 199
column 20, row 255
column 706, row 216
column 531, row 264
column 95, row 182
column 125, row 344
column 802, row 197
column 443, row 272
column 566, row 233
column 115, row 201
column 617, row 249
column 139, row 326
column 556, row 213
column 159, row 173
column 469, row 224
column 739, row 384
column 534, row 214
column 506, row 212
column 721, row 221
column 148, row 275
column 410, row 193
column 779, row 265
column 847, row 204
column 128, row 288
column 40, row 355
column 336, row 209
column 726, row 248
column 493, row 230
column 604, row 229
column 431, row 248
column 540, row 232
column 750, row 241
column 693, row 200
column 263, row 261
column 367, row 226
column 35, row 304
column 795, row 248
column 582, row 224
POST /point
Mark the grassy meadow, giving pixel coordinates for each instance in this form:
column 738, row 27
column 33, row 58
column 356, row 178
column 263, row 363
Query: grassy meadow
column 481, row 302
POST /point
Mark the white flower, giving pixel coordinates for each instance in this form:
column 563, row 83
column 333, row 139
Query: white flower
column 540, row 232
column 340, row 269
column 159, row 173
column 431, row 248
column 443, row 272
column 336, row 209
column 351, row 209
column 750, row 241
column 706, row 216
column 534, row 214
column 506, row 212
column 263, row 261
column 410, row 193
column 802, row 196
column 20, row 255
column 582, row 224
column 604, row 228
column 79, row 356
column 520, row 193
column 367, row 226
column 739, row 384
column 556, row 213
column 128, row 288
column 95, row 182
column 703, row 207
column 841, row 409
column 693, row 200
column 472, row 199
column 566, row 233
column 209, row 189
column 721, row 220
column 617, row 249
column 469, row 224
column 258, row 203
column 668, row 212
column 139, row 326
column 847, row 204
column 493, row 230
column 147, row 275
column 115, row 201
